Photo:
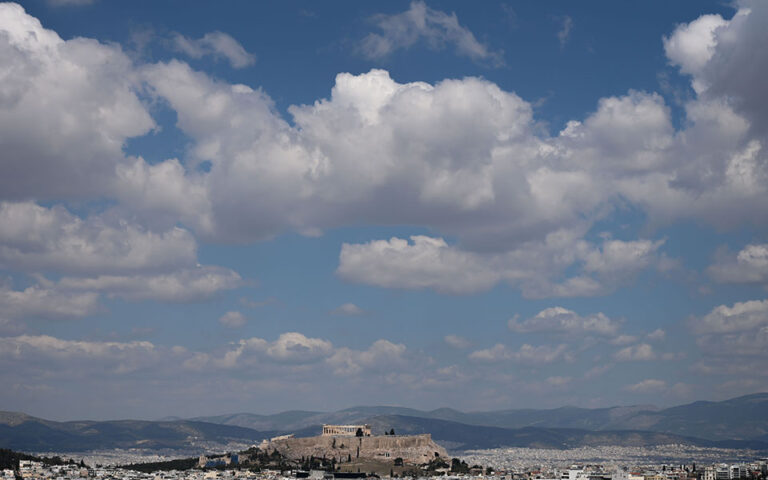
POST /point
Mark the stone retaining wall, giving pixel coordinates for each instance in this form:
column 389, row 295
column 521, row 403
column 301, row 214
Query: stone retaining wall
column 415, row 449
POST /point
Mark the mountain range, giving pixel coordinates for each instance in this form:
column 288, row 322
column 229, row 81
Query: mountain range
column 19, row 431
column 741, row 418
column 736, row 423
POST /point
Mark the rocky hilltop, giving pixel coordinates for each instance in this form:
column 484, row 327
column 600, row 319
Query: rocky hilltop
column 415, row 449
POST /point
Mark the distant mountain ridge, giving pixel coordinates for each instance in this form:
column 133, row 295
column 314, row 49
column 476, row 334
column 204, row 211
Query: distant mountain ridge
column 19, row 431
column 459, row 436
column 741, row 418
column 736, row 423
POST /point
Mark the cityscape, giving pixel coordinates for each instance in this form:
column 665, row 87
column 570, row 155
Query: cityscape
column 602, row 463
column 362, row 451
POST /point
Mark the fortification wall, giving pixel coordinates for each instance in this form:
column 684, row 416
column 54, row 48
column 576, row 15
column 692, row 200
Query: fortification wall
column 411, row 448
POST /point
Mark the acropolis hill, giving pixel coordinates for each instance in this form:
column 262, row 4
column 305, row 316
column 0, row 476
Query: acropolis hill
column 414, row 449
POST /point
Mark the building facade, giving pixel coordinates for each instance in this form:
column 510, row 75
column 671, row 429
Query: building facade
column 346, row 430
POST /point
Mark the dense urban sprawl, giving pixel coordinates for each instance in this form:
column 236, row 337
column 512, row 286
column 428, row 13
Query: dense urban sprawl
column 593, row 463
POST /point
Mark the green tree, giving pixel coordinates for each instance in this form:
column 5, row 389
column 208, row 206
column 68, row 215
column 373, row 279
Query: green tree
column 436, row 463
column 459, row 466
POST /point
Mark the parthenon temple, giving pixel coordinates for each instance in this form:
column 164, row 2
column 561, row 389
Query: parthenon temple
column 346, row 430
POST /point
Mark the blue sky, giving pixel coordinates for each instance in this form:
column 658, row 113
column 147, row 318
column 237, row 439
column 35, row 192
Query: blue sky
column 263, row 206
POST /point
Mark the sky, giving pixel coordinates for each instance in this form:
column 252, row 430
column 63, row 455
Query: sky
column 211, row 208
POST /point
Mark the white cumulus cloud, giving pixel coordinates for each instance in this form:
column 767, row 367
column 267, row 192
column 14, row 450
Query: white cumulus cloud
column 750, row 265
column 433, row 27
column 561, row 320
column 38, row 301
column 78, row 95
column 430, row 263
column 741, row 317
column 216, row 44
column 636, row 353
column 35, row 238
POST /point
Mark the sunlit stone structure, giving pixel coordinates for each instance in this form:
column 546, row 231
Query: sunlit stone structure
column 346, row 430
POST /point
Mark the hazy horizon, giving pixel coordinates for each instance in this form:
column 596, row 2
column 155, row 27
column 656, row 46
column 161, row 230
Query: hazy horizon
column 224, row 414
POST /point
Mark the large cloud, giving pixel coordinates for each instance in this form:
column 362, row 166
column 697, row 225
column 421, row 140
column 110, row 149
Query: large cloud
column 721, row 58
column 503, row 201
column 733, row 339
column 41, row 302
column 77, row 96
column 427, row 158
column 425, row 263
column 66, row 111
column 692, row 45
column 99, row 254
column 34, row 239
column 461, row 156
column 429, row 262
column 162, row 194
column 741, row 317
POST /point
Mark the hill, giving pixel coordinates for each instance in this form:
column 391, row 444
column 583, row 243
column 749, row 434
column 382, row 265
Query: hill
column 290, row 420
column 736, row 423
column 738, row 418
column 459, row 436
column 742, row 418
column 294, row 420
column 414, row 449
column 19, row 431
